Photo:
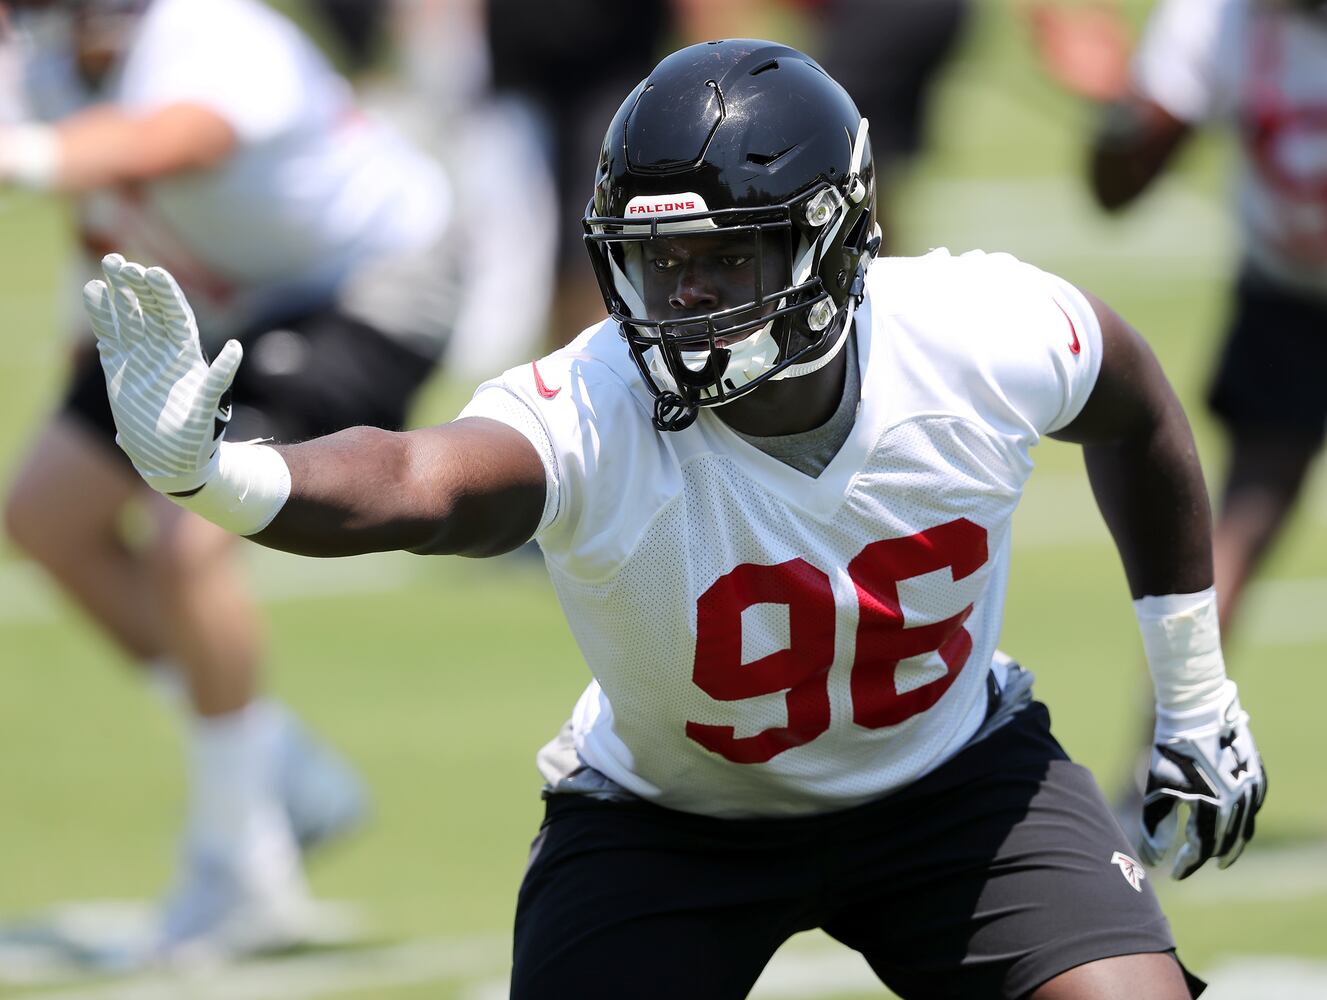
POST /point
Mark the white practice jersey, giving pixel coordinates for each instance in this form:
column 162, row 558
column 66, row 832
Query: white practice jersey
column 1262, row 70
column 315, row 189
column 767, row 643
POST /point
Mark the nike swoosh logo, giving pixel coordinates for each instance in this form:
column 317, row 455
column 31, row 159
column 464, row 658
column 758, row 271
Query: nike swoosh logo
column 1074, row 345
column 544, row 390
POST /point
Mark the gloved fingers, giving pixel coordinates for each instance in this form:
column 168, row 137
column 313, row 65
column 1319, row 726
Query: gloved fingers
column 1260, row 789
column 101, row 315
column 220, row 374
column 128, row 314
column 175, row 309
column 1199, row 839
column 1249, row 820
column 1231, row 856
column 1187, row 862
column 135, row 276
column 1158, row 828
column 1231, row 841
column 110, row 266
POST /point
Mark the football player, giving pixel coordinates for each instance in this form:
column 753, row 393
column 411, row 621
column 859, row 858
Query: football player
column 213, row 138
column 1258, row 68
column 773, row 490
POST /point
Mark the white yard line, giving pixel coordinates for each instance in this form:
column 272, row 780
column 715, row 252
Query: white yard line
column 1267, row 977
column 307, row 976
column 808, row 968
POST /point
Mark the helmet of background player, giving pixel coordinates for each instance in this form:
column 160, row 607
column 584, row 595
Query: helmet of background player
column 750, row 141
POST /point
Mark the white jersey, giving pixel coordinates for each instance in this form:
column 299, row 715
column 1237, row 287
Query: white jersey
column 314, row 190
column 1261, row 70
column 766, row 643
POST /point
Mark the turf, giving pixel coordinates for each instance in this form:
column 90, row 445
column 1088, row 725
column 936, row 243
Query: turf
column 441, row 678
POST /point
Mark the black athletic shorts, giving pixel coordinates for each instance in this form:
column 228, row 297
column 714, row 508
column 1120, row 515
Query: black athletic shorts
column 1271, row 372
column 984, row 879
column 313, row 375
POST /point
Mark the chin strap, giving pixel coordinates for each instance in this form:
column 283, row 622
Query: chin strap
column 672, row 412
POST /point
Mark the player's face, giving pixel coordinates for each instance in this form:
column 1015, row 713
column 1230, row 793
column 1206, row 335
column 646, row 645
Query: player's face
column 694, row 275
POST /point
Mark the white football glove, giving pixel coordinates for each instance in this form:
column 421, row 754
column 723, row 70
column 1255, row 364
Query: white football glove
column 1207, row 759
column 166, row 399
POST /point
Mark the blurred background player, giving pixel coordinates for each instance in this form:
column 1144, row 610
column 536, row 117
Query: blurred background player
column 888, row 54
column 568, row 62
column 512, row 75
column 212, row 137
column 425, row 66
column 1258, row 68
column 528, row 81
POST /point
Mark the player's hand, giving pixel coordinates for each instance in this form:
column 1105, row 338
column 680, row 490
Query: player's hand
column 1083, row 48
column 1207, row 760
column 166, row 399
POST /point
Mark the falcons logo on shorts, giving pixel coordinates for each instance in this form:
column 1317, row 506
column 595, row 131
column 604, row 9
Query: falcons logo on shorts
column 1131, row 870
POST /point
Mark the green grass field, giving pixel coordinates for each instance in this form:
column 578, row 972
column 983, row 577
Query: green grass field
column 440, row 678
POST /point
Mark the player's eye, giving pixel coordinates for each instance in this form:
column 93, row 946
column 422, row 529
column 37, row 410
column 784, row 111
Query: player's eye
column 663, row 263
column 735, row 260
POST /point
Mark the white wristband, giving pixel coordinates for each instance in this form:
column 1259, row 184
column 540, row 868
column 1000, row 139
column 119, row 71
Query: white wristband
column 251, row 485
column 30, row 155
column 1182, row 641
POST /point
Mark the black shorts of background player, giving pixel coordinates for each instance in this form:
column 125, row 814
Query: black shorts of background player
column 308, row 375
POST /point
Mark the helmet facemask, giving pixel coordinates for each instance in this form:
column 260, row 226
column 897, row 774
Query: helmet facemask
column 782, row 323
column 747, row 141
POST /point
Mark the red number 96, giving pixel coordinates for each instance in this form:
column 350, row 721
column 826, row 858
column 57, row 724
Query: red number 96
column 802, row 669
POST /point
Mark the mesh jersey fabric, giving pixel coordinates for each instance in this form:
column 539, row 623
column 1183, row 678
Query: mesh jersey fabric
column 767, row 643
column 1261, row 71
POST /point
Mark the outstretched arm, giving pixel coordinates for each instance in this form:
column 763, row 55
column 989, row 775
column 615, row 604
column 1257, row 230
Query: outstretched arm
column 472, row 487
column 1144, row 470
column 105, row 145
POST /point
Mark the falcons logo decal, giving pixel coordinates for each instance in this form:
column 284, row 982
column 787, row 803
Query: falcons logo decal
column 1131, row 870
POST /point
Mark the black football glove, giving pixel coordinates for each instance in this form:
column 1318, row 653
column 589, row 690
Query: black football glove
column 1206, row 759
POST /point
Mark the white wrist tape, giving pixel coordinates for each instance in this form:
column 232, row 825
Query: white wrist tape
column 251, row 485
column 30, row 155
column 1182, row 640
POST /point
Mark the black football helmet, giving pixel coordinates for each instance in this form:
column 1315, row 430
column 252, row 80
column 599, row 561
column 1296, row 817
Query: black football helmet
column 747, row 138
